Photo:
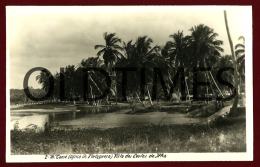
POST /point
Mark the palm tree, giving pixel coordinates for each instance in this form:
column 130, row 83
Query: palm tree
column 234, row 107
column 240, row 55
column 179, row 52
column 205, row 48
column 110, row 50
column 56, row 90
column 71, row 82
column 97, row 79
column 44, row 80
column 128, row 48
column 225, row 61
column 179, row 49
column 140, row 55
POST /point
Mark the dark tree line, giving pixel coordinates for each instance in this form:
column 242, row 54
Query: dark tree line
column 201, row 48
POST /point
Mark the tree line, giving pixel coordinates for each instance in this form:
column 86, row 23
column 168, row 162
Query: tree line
column 201, row 48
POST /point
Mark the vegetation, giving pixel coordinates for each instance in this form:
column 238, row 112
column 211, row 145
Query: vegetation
column 17, row 96
column 199, row 49
column 225, row 136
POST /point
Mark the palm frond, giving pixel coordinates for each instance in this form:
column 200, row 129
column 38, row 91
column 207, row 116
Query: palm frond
column 101, row 51
column 239, row 51
column 240, row 45
column 118, row 47
column 99, row 46
column 241, row 37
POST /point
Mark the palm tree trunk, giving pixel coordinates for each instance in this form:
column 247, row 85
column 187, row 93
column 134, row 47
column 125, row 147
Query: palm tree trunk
column 73, row 95
column 97, row 86
column 187, row 88
column 149, row 96
column 115, row 88
column 91, row 93
column 207, row 87
column 216, row 85
column 207, row 77
column 210, row 82
column 115, row 81
column 234, row 107
column 239, row 86
column 139, row 99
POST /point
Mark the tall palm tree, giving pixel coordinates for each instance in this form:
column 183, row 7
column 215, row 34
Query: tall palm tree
column 235, row 102
column 128, row 48
column 140, row 55
column 97, row 80
column 179, row 49
column 56, row 90
column 205, row 48
column 179, row 52
column 110, row 50
column 240, row 55
column 70, row 82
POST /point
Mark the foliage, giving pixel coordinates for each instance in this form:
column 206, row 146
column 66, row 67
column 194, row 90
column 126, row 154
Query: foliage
column 111, row 49
column 135, row 139
column 17, row 96
column 199, row 49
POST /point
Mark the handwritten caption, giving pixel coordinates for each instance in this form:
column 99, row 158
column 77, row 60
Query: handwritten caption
column 103, row 156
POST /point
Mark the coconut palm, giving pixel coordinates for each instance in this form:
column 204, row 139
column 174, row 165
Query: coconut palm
column 179, row 52
column 205, row 48
column 98, row 82
column 110, row 50
column 71, row 82
column 235, row 102
column 140, row 55
column 56, row 90
column 43, row 79
column 128, row 48
column 178, row 49
column 224, row 61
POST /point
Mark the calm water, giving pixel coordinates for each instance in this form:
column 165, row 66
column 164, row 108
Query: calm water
column 98, row 117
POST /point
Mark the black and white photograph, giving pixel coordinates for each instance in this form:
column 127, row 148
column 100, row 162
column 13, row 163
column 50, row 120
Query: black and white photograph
column 129, row 83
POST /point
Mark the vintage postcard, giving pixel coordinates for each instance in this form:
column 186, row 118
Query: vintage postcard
column 129, row 83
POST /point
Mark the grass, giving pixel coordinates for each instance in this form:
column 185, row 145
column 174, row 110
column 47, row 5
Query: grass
column 225, row 135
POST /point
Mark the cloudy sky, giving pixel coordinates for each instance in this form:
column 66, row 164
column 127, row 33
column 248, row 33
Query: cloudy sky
column 54, row 37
